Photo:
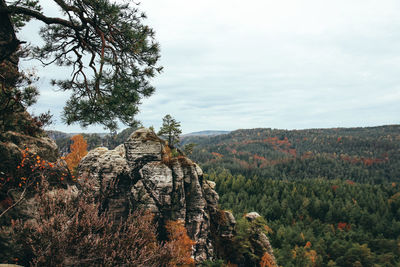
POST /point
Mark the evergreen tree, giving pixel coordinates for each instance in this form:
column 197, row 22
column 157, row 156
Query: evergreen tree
column 170, row 130
column 113, row 55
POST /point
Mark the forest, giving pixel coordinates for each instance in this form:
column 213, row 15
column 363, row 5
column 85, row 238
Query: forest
column 366, row 155
column 319, row 222
column 331, row 197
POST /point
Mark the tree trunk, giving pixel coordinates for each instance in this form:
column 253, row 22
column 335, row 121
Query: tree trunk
column 8, row 40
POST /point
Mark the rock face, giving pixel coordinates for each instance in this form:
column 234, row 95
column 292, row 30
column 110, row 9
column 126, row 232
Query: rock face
column 12, row 144
column 142, row 173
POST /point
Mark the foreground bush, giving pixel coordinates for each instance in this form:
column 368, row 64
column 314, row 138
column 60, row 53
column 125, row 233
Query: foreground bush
column 67, row 229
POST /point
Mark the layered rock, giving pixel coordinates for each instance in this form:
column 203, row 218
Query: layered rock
column 12, row 144
column 142, row 173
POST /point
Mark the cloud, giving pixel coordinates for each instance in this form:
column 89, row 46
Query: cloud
column 263, row 63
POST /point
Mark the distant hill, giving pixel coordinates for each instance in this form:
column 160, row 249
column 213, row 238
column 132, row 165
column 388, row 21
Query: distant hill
column 205, row 133
column 370, row 154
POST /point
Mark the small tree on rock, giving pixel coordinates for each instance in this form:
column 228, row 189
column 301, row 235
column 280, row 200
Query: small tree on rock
column 170, row 130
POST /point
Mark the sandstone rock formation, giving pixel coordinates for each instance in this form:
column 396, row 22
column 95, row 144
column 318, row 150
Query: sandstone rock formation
column 143, row 173
column 12, row 144
column 259, row 241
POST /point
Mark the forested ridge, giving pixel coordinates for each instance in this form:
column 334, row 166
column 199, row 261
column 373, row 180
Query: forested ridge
column 330, row 196
column 368, row 155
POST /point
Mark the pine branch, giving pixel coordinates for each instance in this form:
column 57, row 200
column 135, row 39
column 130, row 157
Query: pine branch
column 11, row 10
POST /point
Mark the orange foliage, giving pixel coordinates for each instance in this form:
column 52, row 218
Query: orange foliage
column 181, row 244
column 166, row 154
column 268, row 229
column 217, row 155
column 78, row 151
column 344, row 226
column 308, row 244
column 257, row 157
column 267, row 261
column 312, row 255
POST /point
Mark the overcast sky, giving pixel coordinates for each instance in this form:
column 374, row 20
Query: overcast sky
column 289, row 64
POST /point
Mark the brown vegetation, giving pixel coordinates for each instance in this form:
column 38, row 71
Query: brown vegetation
column 180, row 244
column 78, row 151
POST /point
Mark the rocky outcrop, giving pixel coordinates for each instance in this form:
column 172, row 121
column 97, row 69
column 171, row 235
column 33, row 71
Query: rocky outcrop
column 27, row 158
column 258, row 240
column 43, row 146
column 12, row 144
column 142, row 173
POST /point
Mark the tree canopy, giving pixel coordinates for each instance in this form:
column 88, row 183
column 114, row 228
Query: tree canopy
column 112, row 54
column 170, row 130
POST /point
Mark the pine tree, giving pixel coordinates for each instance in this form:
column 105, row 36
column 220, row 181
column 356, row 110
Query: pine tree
column 112, row 54
column 170, row 130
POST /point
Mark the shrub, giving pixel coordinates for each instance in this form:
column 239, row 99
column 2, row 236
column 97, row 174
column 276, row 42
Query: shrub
column 67, row 229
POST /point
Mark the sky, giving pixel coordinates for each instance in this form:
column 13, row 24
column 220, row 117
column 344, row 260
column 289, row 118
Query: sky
column 288, row 64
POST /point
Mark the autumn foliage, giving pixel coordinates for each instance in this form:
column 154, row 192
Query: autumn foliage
column 344, row 226
column 180, row 244
column 78, row 151
column 67, row 229
column 28, row 177
column 267, row 261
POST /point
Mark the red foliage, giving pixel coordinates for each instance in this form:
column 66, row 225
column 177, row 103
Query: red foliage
column 281, row 145
column 365, row 161
column 344, row 226
column 243, row 164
